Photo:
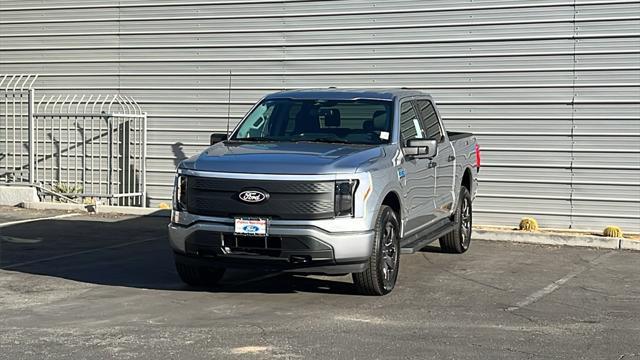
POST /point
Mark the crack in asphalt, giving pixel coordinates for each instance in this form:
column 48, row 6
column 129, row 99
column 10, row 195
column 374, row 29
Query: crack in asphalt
column 529, row 354
column 465, row 278
column 530, row 319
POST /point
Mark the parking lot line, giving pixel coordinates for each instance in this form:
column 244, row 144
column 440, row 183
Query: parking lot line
column 17, row 222
column 558, row 283
column 116, row 246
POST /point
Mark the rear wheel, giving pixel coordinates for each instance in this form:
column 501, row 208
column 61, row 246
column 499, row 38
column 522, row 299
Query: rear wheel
column 198, row 275
column 381, row 272
column 459, row 239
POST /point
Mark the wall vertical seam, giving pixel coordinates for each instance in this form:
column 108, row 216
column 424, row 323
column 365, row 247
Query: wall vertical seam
column 119, row 41
column 573, row 112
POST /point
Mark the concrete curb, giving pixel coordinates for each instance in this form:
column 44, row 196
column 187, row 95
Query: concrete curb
column 598, row 242
column 100, row 209
column 14, row 195
column 629, row 245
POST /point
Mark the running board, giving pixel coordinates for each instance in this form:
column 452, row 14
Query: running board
column 423, row 238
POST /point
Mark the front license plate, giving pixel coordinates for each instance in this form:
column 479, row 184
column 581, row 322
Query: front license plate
column 251, row 227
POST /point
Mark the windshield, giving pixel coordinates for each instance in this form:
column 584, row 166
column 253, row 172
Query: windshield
column 334, row 121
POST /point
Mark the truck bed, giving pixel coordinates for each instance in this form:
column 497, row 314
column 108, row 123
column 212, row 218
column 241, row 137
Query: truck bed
column 453, row 136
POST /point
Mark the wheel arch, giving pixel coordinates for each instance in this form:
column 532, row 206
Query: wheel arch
column 467, row 179
column 392, row 199
column 466, row 182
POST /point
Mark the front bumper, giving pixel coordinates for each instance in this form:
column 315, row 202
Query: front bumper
column 298, row 248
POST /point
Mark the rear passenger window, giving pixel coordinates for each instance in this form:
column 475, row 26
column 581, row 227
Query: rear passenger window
column 430, row 119
column 410, row 126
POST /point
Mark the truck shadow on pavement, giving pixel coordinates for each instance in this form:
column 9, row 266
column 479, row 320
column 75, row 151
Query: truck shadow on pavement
column 129, row 252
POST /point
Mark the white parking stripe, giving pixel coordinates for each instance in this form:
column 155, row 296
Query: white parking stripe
column 10, row 223
column 82, row 252
column 556, row 284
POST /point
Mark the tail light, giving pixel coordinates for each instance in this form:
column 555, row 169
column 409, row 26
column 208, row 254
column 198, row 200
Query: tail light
column 478, row 157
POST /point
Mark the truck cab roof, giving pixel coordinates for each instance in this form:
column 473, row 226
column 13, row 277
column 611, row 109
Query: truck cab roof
column 346, row 94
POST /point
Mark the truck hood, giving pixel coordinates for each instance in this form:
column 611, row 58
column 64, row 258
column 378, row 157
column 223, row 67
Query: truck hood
column 283, row 158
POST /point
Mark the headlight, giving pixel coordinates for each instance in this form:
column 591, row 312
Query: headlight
column 343, row 205
column 180, row 194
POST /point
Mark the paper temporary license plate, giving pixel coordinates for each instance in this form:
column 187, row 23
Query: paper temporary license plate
column 251, row 227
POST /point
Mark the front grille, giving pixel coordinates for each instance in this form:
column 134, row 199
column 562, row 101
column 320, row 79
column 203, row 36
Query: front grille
column 291, row 200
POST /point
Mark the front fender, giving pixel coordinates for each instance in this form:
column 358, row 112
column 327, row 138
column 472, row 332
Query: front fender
column 385, row 182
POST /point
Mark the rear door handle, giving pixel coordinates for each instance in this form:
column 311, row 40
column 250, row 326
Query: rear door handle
column 432, row 164
column 451, row 158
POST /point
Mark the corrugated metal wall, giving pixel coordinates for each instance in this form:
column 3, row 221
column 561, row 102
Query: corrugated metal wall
column 552, row 88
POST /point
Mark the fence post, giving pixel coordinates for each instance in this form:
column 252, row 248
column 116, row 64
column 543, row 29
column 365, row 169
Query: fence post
column 110, row 158
column 144, row 160
column 31, row 134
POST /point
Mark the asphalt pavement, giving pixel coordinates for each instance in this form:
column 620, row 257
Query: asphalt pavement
column 104, row 286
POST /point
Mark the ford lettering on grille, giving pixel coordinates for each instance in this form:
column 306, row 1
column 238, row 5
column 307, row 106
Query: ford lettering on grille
column 252, row 196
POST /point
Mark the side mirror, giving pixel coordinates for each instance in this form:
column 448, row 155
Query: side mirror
column 421, row 148
column 217, row 137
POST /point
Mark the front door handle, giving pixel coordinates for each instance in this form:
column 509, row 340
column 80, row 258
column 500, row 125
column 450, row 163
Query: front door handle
column 432, row 164
column 451, row 158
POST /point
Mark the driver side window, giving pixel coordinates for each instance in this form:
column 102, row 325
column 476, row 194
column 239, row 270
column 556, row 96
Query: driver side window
column 410, row 125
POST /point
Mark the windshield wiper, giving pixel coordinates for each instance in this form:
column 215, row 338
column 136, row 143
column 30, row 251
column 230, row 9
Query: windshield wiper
column 266, row 139
column 326, row 140
column 255, row 138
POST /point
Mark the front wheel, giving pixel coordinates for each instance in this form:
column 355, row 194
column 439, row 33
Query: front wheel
column 381, row 272
column 459, row 239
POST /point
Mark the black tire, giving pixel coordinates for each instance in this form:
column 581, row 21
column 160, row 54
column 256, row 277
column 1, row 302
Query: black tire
column 381, row 272
column 459, row 239
column 199, row 276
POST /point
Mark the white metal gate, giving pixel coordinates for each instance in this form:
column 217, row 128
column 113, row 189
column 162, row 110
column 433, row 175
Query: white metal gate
column 76, row 147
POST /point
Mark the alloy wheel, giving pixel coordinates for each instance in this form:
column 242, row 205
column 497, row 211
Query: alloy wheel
column 390, row 255
column 465, row 223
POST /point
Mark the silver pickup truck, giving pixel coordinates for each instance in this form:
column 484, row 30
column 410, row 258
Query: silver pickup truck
column 328, row 181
